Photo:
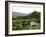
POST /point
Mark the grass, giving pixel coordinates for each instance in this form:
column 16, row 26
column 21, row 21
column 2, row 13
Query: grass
column 17, row 25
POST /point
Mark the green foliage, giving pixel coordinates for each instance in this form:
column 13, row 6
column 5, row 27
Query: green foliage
column 19, row 23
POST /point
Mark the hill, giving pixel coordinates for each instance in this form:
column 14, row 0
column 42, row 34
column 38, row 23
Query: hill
column 18, row 14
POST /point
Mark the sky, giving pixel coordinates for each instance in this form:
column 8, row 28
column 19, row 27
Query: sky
column 27, row 9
